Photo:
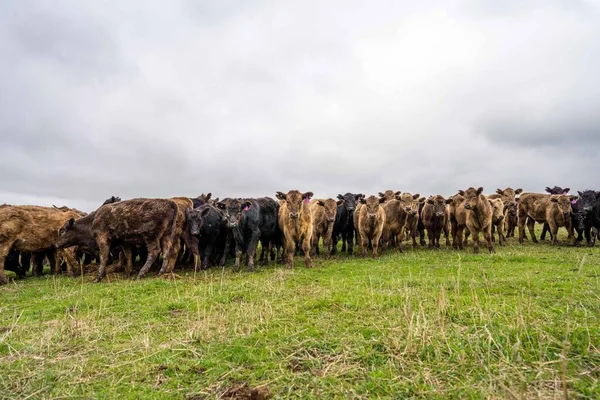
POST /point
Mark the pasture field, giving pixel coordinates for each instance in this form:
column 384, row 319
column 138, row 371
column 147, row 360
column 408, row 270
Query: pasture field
column 522, row 323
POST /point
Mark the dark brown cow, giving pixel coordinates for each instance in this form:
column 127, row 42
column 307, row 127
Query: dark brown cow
column 31, row 229
column 295, row 221
column 498, row 210
column 435, row 219
column 458, row 220
column 371, row 220
column 412, row 220
column 389, row 194
column 510, row 219
column 152, row 222
column 323, row 216
column 396, row 212
column 555, row 210
column 478, row 217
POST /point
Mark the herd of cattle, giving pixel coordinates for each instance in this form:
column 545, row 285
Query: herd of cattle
column 207, row 231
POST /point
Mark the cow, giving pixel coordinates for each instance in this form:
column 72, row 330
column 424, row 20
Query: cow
column 295, row 220
column 371, row 219
column 389, row 194
column 508, row 195
column 498, row 210
column 510, row 219
column 554, row 190
column 478, row 216
column 555, row 210
column 271, row 241
column 588, row 215
column 396, row 211
column 152, row 222
column 183, row 204
column 412, row 220
column 435, row 218
column 323, row 217
column 344, row 226
column 207, row 228
column 30, row 229
column 458, row 220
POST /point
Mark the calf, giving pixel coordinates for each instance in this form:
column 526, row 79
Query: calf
column 478, row 217
column 588, row 215
column 396, row 212
column 270, row 234
column 30, row 229
column 149, row 221
column 457, row 214
column 510, row 219
column 412, row 220
column 295, row 220
column 207, row 229
column 554, row 190
column 434, row 215
column 201, row 200
column 389, row 194
column 344, row 226
column 371, row 220
column 498, row 219
column 507, row 195
column 555, row 210
column 323, row 216
column 242, row 216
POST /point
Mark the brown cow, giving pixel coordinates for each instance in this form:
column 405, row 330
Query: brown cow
column 30, row 229
column 371, row 220
column 479, row 216
column 458, row 220
column 435, row 218
column 295, row 221
column 149, row 221
column 507, row 195
column 182, row 235
column 498, row 210
column 412, row 220
column 396, row 212
column 323, row 216
column 389, row 194
column 555, row 210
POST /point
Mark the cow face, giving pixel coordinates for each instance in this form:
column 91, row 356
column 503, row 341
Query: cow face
column 389, row 194
column 411, row 202
column 69, row 234
column 471, row 197
column 195, row 219
column 564, row 203
column 508, row 195
column 512, row 210
column 232, row 211
column 557, row 190
column 588, row 199
column 330, row 208
column 371, row 204
column 439, row 205
column 349, row 200
column 497, row 209
column 294, row 200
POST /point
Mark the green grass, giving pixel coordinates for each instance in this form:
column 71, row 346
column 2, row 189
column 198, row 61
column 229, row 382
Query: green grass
column 522, row 323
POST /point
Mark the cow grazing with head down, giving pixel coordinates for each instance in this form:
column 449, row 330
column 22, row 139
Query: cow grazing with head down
column 323, row 216
column 478, row 216
column 371, row 220
column 295, row 220
column 152, row 222
column 344, row 226
column 555, row 210
column 587, row 216
column 435, row 217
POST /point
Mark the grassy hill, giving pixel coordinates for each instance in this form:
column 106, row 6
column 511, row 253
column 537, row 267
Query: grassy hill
column 522, row 323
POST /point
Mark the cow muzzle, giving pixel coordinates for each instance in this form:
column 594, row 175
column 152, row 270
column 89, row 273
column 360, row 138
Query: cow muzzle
column 233, row 224
column 467, row 206
column 350, row 209
column 330, row 219
column 294, row 215
column 372, row 216
column 439, row 214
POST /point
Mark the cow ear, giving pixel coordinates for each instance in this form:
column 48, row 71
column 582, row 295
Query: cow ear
column 381, row 194
column 359, row 196
column 321, row 203
column 430, row 201
column 340, row 197
column 548, row 189
column 500, row 192
column 450, row 200
column 579, row 193
column 461, row 192
column 363, row 200
column 280, row 195
column 205, row 211
column 416, row 196
column 340, row 202
column 221, row 205
column 246, row 205
column 422, row 199
column 208, row 196
column 566, row 190
column 382, row 200
column 307, row 195
column 479, row 191
column 216, row 200
column 71, row 222
column 519, row 191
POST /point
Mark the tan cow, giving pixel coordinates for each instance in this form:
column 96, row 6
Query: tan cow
column 498, row 210
column 371, row 220
column 295, row 221
column 323, row 216
column 555, row 210
column 478, row 216
column 412, row 220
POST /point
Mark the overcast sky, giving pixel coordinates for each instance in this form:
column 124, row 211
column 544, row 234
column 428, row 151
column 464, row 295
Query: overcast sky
column 244, row 98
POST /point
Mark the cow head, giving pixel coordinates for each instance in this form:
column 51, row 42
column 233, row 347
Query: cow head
column 508, row 195
column 564, row 203
column 194, row 218
column 111, row 199
column 233, row 210
column 411, row 202
column 330, row 208
column 389, row 194
column 471, row 197
column 439, row 205
column 372, row 204
column 349, row 200
column 557, row 190
column 70, row 233
column 294, row 200
column 588, row 199
column 497, row 209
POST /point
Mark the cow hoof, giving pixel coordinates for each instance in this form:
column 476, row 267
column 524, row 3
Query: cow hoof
column 3, row 280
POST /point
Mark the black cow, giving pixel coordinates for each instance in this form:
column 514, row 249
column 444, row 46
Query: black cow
column 208, row 230
column 271, row 236
column 588, row 215
column 344, row 222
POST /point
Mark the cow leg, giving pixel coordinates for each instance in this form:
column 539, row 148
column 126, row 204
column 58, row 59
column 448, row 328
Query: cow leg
column 289, row 250
column 364, row 245
column 170, row 251
column 251, row 249
column 487, row 235
column 375, row 244
column 306, row 249
column 531, row 227
column 522, row 219
column 438, row 234
column 351, row 242
column 344, row 240
column 315, row 244
column 153, row 246
column 553, row 227
column 493, row 232
column 422, row 241
column 334, row 242
column 431, row 238
column 327, row 246
column 104, row 250
column 545, row 229
column 226, row 250
column 476, row 241
column 4, row 250
column 501, row 238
